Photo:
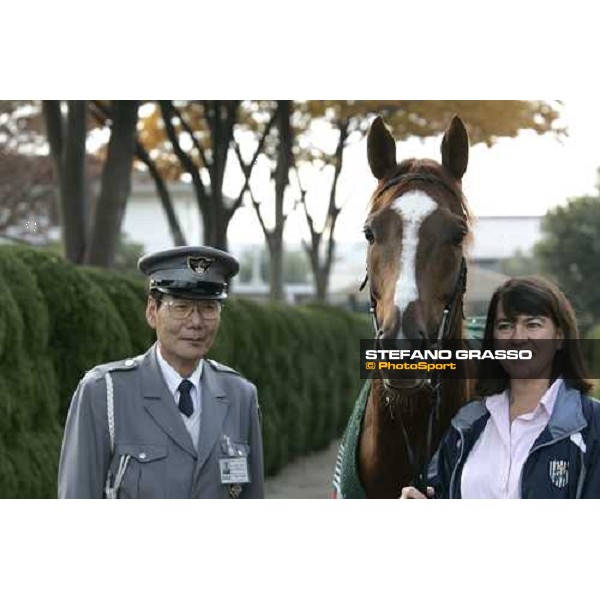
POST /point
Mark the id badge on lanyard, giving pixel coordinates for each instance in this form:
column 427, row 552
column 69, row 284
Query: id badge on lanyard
column 234, row 469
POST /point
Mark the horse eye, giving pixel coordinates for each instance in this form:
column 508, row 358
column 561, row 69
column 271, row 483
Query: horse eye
column 369, row 235
column 458, row 238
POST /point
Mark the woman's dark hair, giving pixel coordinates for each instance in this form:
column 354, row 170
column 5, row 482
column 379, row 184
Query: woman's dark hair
column 534, row 296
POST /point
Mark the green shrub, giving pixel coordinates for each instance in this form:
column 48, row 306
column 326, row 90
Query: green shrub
column 85, row 328
column 128, row 296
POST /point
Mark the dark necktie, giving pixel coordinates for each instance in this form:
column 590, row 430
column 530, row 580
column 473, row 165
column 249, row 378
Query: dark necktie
column 186, row 406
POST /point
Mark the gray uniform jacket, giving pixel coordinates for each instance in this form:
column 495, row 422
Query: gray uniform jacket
column 149, row 428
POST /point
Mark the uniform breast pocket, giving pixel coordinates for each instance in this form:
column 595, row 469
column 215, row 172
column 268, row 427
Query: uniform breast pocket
column 146, row 470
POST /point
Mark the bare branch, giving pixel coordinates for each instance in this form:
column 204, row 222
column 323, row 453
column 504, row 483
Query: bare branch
column 268, row 233
column 190, row 132
column 247, row 168
column 166, row 107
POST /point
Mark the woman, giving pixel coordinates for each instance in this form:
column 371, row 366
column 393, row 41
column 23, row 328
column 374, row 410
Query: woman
column 533, row 432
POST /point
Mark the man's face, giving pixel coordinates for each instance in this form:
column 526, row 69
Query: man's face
column 185, row 329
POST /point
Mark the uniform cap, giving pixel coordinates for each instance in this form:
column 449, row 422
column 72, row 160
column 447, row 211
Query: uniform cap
column 195, row 272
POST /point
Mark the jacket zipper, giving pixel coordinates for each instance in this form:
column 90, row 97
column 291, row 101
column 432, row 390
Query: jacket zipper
column 456, row 465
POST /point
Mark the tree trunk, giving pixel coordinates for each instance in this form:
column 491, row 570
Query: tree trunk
column 221, row 117
column 282, row 170
column 276, row 268
column 102, row 114
column 221, row 224
column 67, row 146
column 321, row 284
column 116, row 185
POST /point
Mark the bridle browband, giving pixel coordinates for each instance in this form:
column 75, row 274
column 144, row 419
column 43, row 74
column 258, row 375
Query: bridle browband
column 413, row 176
column 434, row 383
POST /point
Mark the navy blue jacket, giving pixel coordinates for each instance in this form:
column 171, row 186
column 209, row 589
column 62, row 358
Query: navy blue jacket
column 562, row 463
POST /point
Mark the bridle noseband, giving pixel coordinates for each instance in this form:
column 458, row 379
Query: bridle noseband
column 434, row 382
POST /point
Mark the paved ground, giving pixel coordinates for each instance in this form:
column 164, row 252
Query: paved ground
column 307, row 477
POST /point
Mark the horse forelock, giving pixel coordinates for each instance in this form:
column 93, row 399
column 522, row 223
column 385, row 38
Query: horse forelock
column 427, row 176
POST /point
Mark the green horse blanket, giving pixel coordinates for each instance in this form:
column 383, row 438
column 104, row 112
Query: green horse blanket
column 345, row 479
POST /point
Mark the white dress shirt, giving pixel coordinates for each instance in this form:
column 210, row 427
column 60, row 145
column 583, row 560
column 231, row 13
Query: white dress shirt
column 173, row 379
column 493, row 467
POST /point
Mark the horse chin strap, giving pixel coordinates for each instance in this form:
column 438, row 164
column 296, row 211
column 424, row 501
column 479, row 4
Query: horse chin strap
column 434, row 383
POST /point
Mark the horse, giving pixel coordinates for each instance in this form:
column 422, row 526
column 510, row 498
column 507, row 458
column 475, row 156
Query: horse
column 417, row 229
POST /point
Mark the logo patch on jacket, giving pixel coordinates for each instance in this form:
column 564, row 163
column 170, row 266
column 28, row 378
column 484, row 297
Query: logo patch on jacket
column 559, row 472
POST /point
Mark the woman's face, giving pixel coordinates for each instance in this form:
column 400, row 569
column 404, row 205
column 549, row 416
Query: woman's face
column 537, row 333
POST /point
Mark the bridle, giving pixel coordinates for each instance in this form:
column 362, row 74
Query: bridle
column 434, row 383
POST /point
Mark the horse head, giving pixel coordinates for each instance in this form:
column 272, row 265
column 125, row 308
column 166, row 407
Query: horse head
column 417, row 227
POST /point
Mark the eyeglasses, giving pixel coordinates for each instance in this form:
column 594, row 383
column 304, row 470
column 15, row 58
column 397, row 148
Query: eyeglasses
column 182, row 309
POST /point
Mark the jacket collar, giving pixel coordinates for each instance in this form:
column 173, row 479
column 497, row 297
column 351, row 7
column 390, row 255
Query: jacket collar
column 566, row 418
column 469, row 414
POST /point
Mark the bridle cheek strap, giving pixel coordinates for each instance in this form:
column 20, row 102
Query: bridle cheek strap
column 460, row 287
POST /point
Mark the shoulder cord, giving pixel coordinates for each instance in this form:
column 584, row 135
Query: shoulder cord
column 112, row 491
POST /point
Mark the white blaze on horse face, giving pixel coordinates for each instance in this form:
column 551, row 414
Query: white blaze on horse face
column 414, row 207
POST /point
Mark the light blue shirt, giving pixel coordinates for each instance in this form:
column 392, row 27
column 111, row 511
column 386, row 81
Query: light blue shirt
column 173, row 379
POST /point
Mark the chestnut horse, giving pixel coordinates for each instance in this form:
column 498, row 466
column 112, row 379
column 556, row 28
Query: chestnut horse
column 417, row 228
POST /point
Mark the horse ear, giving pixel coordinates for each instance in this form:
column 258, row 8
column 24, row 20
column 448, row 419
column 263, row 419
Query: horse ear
column 381, row 149
column 455, row 148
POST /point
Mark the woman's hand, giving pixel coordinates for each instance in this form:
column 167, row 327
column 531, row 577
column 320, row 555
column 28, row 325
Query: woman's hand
column 412, row 493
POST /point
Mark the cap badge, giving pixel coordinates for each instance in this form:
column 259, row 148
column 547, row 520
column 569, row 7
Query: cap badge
column 199, row 264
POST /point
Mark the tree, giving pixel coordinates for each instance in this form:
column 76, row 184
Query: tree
column 67, row 136
column 91, row 233
column 487, row 121
column 570, row 253
column 102, row 114
column 194, row 139
column 282, row 156
column 109, row 208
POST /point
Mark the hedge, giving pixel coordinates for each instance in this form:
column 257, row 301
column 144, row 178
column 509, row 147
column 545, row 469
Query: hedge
column 57, row 321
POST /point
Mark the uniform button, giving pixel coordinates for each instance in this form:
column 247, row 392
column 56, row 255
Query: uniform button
column 129, row 362
column 142, row 455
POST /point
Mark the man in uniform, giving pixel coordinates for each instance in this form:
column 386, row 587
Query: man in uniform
column 170, row 423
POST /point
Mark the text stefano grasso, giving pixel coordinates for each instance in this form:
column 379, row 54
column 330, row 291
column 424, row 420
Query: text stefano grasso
column 380, row 354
